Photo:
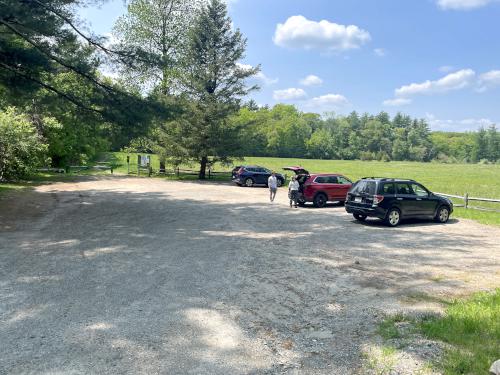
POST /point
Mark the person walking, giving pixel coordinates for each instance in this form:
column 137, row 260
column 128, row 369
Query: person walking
column 272, row 183
column 293, row 190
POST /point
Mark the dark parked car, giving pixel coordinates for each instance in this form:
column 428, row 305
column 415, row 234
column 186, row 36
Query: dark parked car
column 320, row 188
column 250, row 175
column 393, row 199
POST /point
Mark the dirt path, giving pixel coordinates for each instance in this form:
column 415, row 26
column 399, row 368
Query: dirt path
column 125, row 276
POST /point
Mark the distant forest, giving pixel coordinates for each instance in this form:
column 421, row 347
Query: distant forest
column 284, row 131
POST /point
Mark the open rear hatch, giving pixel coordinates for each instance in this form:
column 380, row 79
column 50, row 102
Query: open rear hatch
column 297, row 170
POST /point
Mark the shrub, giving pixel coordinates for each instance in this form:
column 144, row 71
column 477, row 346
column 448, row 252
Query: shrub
column 21, row 147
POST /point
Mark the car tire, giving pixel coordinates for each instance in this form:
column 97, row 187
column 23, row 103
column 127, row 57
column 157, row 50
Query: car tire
column 249, row 182
column 320, row 200
column 279, row 183
column 359, row 217
column 393, row 217
column 442, row 215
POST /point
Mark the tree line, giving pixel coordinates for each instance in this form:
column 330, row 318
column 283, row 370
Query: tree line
column 284, row 131
column 177, row 89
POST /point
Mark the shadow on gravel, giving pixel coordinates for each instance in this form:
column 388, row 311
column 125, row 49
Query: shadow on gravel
column 121, row 282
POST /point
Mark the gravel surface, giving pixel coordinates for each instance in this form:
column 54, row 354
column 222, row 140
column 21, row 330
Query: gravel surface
column 116, row 275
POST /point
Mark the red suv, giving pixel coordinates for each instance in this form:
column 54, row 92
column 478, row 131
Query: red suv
column 320, row 188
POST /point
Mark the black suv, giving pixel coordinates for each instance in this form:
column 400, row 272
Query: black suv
column 394, row 199
column 250, row 175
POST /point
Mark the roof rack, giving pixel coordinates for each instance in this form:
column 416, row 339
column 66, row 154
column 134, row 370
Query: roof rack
column 388, row 178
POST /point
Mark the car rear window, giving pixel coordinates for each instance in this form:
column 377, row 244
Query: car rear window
column 365, row 187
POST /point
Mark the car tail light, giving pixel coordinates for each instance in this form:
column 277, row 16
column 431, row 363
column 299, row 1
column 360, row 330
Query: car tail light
column 377, row 199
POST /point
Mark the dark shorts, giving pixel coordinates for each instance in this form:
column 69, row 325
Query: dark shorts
column 273, row 190
column 294, row 194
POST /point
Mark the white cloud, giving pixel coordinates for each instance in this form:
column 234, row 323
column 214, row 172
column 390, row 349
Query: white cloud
column 265, row 79
column 299, row 32
column 457, row 125
column 327, row 102
column 396, row 102
column 488, row 80
column 260, row 76
column 311, row 80
column 380, row 52
column 462, row 4
column 289, row 94
column 446, row 68
column 453, row 81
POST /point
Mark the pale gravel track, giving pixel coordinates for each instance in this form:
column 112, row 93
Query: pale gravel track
column 116, row 275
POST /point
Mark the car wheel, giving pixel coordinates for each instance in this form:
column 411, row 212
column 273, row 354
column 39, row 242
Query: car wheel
column 249, row 182
column 443, row 214
column 279, row 182
column 359, row 217
column 393, row 217
column 320, row 200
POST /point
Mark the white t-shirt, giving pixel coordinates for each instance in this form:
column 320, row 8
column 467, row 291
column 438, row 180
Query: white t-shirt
column 294, row 185
column 272, row 182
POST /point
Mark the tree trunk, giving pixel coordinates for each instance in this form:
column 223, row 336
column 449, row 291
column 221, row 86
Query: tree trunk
column 203, row 167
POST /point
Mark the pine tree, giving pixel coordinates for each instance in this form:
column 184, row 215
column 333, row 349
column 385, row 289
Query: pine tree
column 213, row 84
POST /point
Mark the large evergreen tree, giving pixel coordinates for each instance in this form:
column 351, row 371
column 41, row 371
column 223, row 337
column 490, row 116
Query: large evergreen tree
column 213, row 86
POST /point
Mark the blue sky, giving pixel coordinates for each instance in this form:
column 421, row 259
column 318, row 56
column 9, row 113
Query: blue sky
column 434, row 59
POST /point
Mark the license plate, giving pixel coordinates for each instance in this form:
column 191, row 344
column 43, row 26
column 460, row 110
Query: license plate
column 357, row 199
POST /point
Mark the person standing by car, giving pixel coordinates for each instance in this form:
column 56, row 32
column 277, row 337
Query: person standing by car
column 293, row 190
column 272, row 183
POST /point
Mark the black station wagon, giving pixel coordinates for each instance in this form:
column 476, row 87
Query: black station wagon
column 393, row 199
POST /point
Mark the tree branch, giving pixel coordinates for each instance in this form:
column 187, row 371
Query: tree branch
column 51, row 88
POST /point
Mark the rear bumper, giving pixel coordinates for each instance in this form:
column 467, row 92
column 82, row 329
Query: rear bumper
column 366, row 211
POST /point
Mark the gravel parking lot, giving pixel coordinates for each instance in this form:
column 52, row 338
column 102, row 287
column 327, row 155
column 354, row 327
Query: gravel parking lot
column 116, row 275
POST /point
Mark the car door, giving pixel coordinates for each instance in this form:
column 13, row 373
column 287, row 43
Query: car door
column 425, row 205
column 321, row 185
column 330, row 187
column 406, row 199
column 261, row 176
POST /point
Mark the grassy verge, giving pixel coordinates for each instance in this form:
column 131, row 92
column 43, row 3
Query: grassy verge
column 470, row 328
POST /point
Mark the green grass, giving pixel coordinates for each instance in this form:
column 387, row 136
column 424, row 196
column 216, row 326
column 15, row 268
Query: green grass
column 387, row 328
column 479, row 180
column 472, row 329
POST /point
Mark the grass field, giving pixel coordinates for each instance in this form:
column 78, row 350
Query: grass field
column 479, row 180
